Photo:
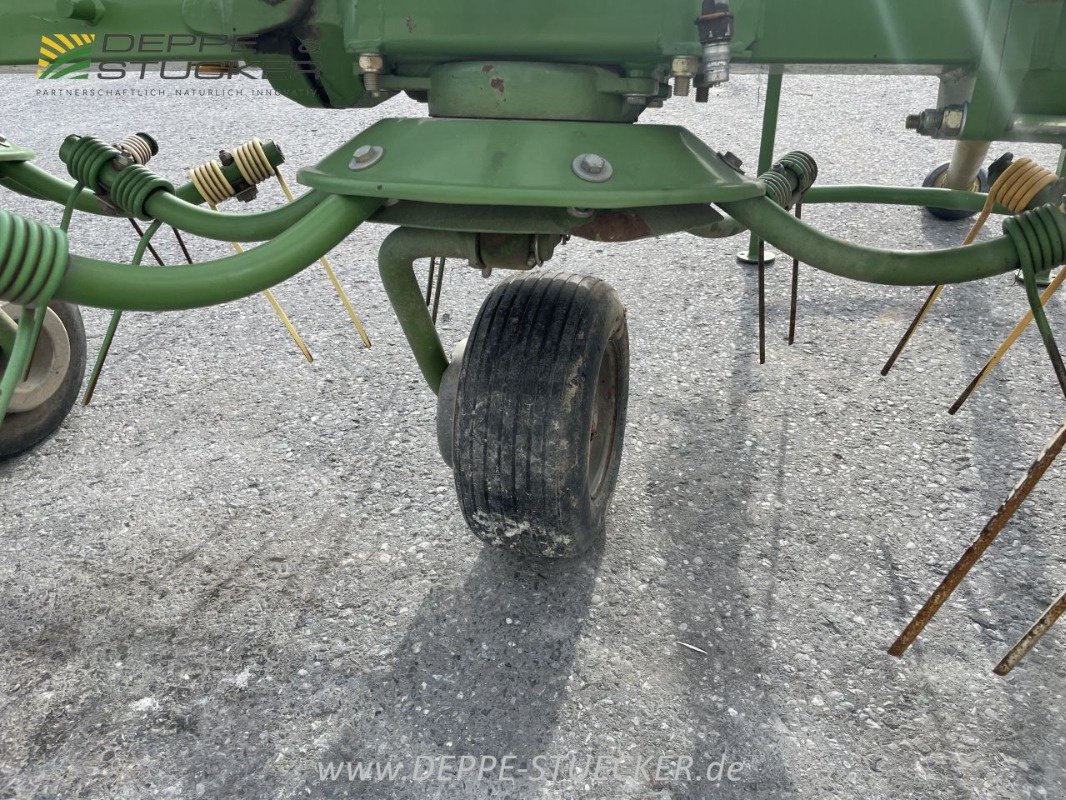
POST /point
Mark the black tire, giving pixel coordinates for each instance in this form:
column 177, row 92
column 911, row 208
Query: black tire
column 933, row 181
column 23, row 431
column 540, row 413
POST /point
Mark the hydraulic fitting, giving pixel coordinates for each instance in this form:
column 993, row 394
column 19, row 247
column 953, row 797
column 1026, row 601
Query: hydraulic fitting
column 716, row 32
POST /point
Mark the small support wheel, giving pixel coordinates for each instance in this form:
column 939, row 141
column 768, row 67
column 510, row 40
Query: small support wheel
column 539, row 411
column 935, row 180
column 45, row 397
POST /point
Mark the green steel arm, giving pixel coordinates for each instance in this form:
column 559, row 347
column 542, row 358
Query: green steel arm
column 179, row 209
column 122, row 287
column 256, row 227
column 396, row 258
column 872, row 265
column 900, row 196
column 32, row 181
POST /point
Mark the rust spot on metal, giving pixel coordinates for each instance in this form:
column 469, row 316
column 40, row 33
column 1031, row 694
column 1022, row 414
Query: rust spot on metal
column 410, row 24
column 497, row 84
column 614, row 226
column 488, row 68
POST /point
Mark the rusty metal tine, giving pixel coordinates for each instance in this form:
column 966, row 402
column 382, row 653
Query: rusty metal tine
column 429, row 280
column 794, row 307
column 974, row 552
column 440, row 283
column 762, row 302
column 922, row 312
column 1035, row 634
column 151, row 249
column 181, row 244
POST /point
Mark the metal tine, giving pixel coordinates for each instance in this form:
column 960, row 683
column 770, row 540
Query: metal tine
column 181, row 244
column 331, row 274
column 440, row 284
column 987, row 536
column 112, row 328
column 1034, row 635
column 794, row 305
column 762, row 302
column 1007, row 344
column 429, row 280
column 922, row 313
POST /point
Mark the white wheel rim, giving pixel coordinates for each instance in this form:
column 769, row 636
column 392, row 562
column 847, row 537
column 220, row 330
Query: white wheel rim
column 49, row 366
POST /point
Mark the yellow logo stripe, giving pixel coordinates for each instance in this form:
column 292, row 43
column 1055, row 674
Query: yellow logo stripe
column 65, row 55
column 45, row 41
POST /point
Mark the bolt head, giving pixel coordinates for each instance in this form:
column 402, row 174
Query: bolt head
column 366, row 156
column 593, row 168
column 593, row 164
column 685, row 66
column 953, row 119
column 371, row 62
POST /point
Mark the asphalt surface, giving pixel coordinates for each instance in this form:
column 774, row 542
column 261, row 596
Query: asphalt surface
column 236, row 568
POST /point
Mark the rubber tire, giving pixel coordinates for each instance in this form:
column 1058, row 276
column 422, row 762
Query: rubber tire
column 524, row 409
column 24, row 431
column 952, row 214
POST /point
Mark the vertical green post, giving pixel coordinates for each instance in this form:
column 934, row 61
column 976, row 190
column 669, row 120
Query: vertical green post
column 1044, row 278
column 770, row 114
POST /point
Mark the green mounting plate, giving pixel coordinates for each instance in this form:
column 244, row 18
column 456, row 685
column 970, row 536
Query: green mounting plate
column 12, row 152
column 530, row 163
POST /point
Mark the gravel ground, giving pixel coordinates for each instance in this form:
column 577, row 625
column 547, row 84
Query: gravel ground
column 235, row 567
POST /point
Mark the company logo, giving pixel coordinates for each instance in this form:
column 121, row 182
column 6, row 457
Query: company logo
column 65, row 55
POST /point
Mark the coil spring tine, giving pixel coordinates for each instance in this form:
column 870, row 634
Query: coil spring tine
column 1040, row 239
column 974, row 552
column 429, row 281
column 331, row 274
column 794, row 304
column 1016, row 188
column 151, row 247
column 762, row 302
column 181, row 244
column 1007, row 344
column 922, row 312
column 436, row 294
column 1034, row 635
column 279, row 311
column 145, row 242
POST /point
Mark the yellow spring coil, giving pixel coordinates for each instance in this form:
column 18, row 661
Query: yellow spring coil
column 252, row 162
column 136, row 147
column 210, row 181
column 1016, row 188
column 254, row 166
